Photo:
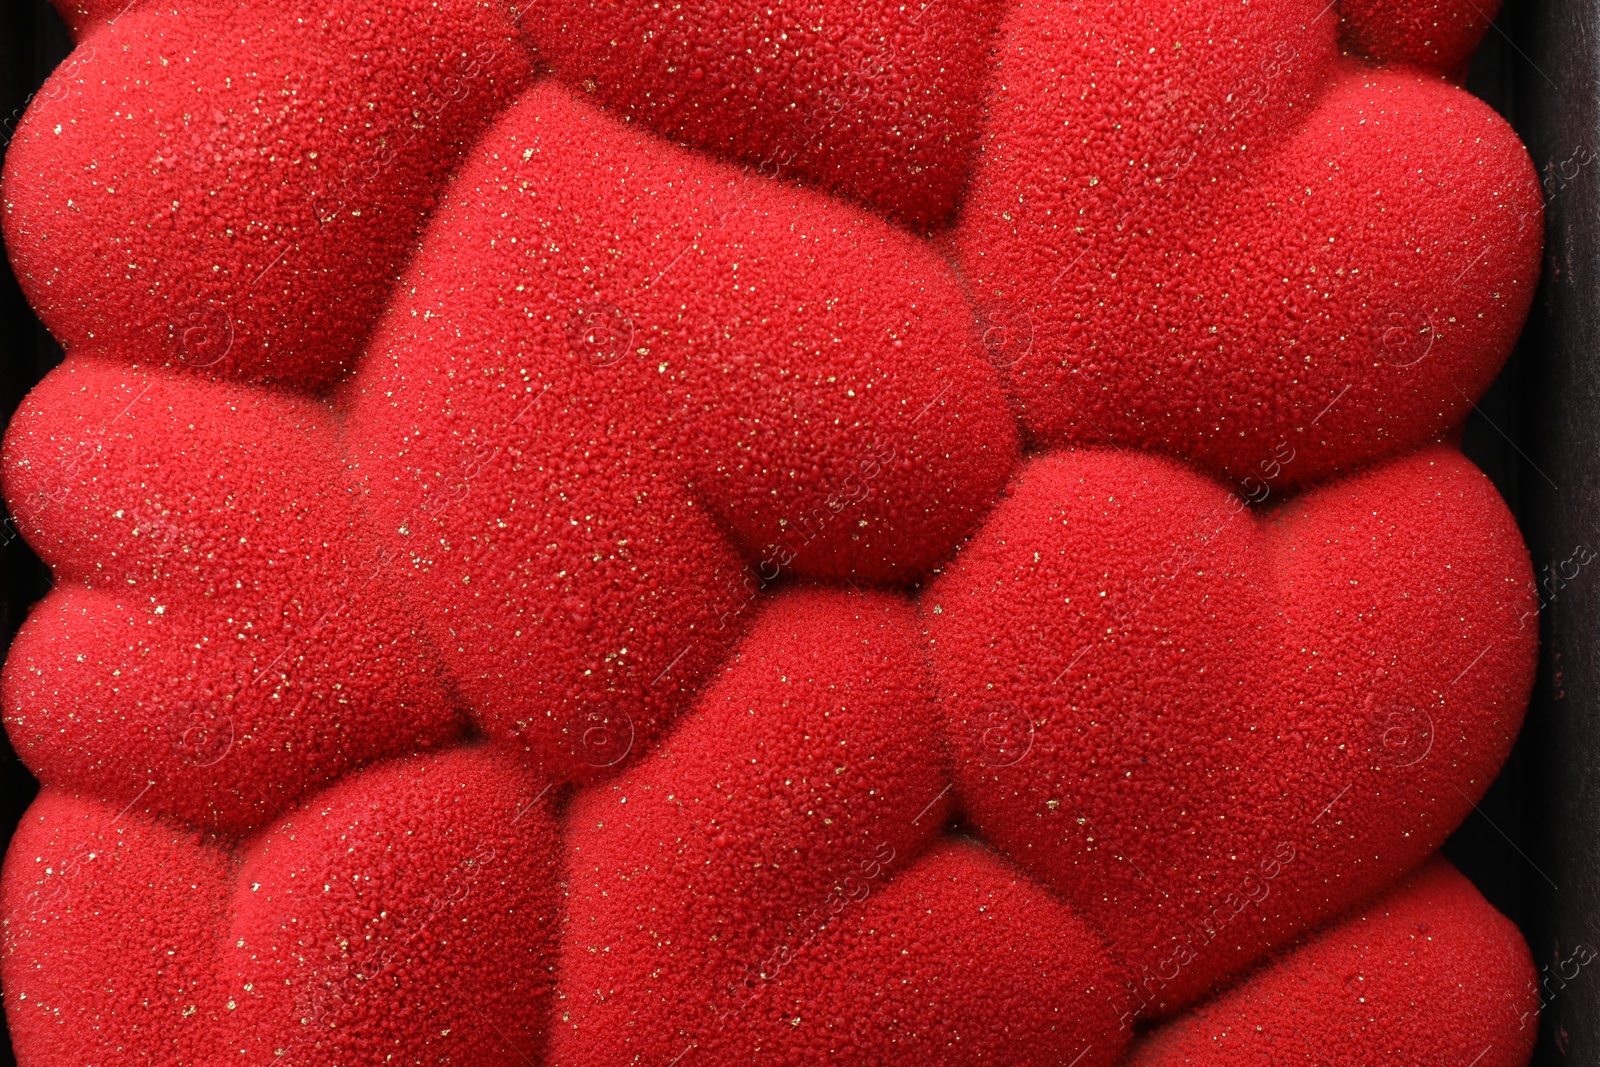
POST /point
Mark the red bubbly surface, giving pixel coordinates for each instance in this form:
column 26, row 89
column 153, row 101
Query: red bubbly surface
column 732, row 533
column 1427, row 973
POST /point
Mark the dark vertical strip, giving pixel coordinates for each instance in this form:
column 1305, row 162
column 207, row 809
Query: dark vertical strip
column 1556, row 85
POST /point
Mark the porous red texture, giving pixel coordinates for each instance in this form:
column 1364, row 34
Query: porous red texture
column 1441, row 35
column 223, row 636
column 1428, row 973
column 725, row 892
column 1165, row 732
column 395, row 914
column 548, row 570
column 960, row 960
column 233, row 186
column 807, row 370
column 1274, row 246
column 113, row 937
column 878, row 102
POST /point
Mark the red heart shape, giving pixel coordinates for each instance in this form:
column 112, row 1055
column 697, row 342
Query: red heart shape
column 1209, row 731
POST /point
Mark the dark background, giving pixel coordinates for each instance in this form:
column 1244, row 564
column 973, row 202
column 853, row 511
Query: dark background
column 1535, row 433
